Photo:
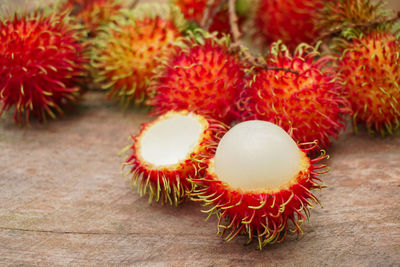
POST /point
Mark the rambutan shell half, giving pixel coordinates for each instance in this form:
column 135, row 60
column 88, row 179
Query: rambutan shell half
column 155, row 165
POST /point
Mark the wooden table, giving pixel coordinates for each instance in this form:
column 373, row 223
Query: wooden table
column 64, row 201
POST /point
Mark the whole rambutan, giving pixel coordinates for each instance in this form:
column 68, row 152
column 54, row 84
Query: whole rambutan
column 259, row 183
column 169, row 150
column 41, row 62
column 301, row 93
column 370, row 69
column 92, row 13
column 292, row 21
column 204, row 76
column 128, row 50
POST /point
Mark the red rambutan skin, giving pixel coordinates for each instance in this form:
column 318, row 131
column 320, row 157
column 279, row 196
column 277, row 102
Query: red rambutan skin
column 127, row 55
column 370, row 69
column 308, row 104
column 41, row 62
column 93, row 13
column 292, row 21
column 193, row 10
column 170, row 185
column 262, row 215
column 203, row 78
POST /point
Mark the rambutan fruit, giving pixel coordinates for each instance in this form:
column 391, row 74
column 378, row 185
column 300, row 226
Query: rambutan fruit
column 259, row 183
column 350, row 12
column 292, row 21
column 93, row 13
column 41, row 62
column 169, row 150
column 301, row 93
column 128, row 50
column 205, row 76
column 370, row 69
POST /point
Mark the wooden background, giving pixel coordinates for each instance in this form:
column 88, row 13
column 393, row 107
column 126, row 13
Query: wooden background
column 64, row 201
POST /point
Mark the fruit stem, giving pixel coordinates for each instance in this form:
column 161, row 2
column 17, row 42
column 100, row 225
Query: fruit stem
column 210, row 13
column 134, row 4
column 233, row 21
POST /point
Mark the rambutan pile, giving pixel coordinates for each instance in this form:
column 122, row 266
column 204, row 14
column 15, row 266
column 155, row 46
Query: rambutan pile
column 203, row 76
column 41, row 63
column 292, row 21
column 93, row 13
column 301, row 93
column 370, row 69
column 128, row 50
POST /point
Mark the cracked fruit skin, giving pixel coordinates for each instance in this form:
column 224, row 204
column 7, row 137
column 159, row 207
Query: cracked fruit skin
column 42, row 62
column 168, row 151
column 261, row 190
column 370, row 69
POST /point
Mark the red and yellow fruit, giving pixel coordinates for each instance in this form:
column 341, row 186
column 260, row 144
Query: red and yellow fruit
column 258, row 183
column 169, row 150
column 41, row 62
column 128, row 50
column 205, row 77
column 301, row 93
column 292, row 21
column 370, row 69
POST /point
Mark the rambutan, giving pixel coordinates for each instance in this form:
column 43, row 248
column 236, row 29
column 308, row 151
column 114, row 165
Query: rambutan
column 93, row 13
column 350, row 12
column 301, row 93
column 205, row 76
column 128, row 50
column 292, row 21
column 259, row 183
column 370, row 69
column 41, row 62
column 169, row 150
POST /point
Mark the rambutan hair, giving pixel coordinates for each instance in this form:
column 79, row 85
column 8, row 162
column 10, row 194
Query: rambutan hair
column 42, row 60
column 300, row 92
column 204, row 75
column 127, row 51
column 369, row 67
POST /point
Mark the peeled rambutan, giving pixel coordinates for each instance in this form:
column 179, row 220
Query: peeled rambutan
column 370, row 69
column 41, row 62
column 292, row 21
column 301, row 93
column 93, row 13
column 169, row 150
column 128, row 50
column 202, row 76
column 259, row 183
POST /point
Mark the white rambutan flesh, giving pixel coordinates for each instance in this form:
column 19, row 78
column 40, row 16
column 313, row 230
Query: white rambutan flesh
column 257, row 155
column 171, row 140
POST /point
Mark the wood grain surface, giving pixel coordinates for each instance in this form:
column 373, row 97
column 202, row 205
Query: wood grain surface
column 65, row 202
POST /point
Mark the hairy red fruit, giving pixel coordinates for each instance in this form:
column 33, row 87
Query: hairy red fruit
column 41, row 62
column 308, row 104
column 292, row 21
column 127, row 52
column 370, row 69
column 205, row 78
column 165, row 180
